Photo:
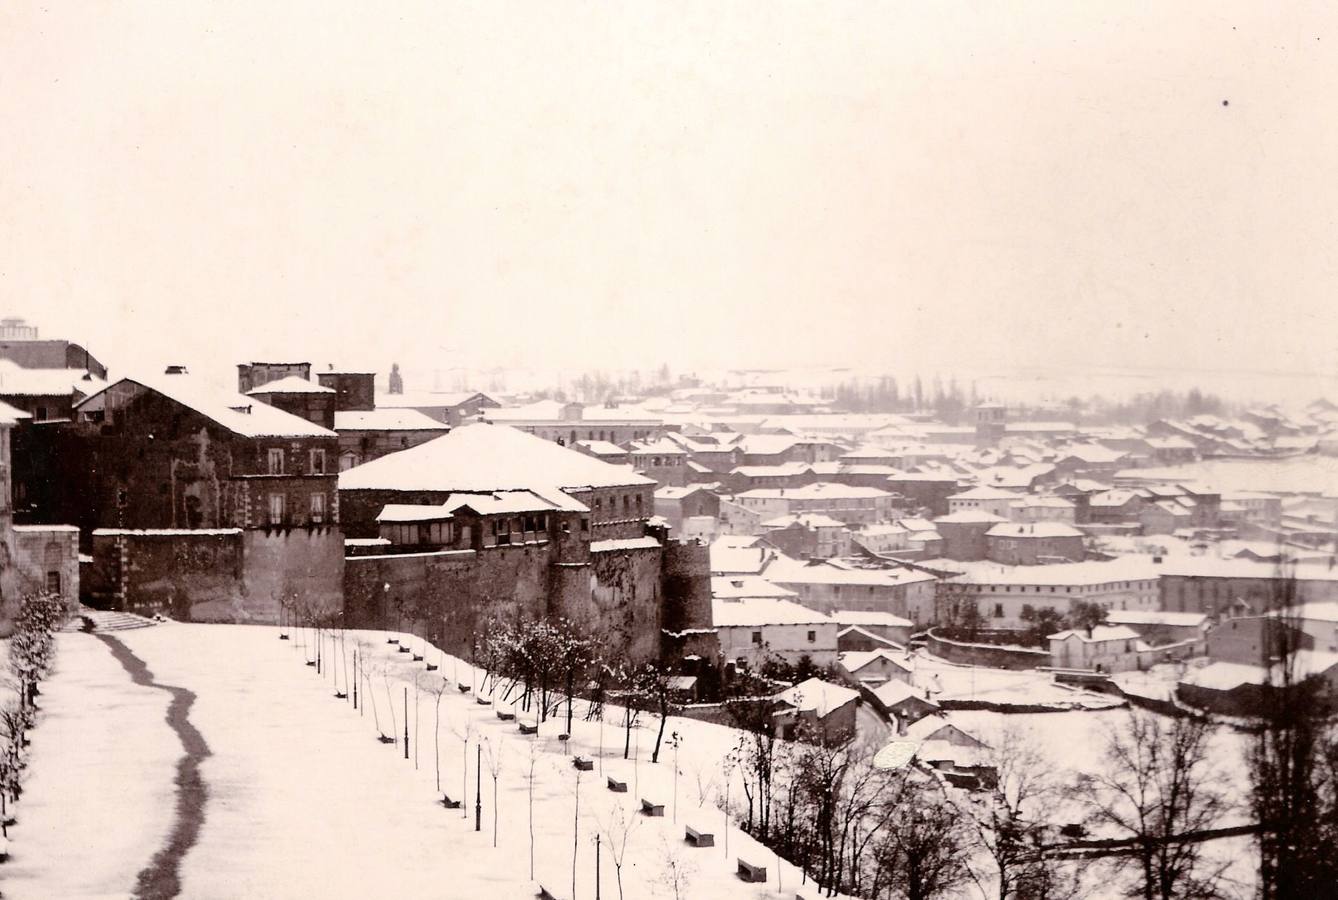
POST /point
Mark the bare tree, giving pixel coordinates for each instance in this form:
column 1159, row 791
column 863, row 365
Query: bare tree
column 1293, row 764
column 1004, row 818
column 618, row 826
column 925, row 852
column 678, row 872
column 437, row 687
column 492, row 754
column 464, row 730
column 1159, row 787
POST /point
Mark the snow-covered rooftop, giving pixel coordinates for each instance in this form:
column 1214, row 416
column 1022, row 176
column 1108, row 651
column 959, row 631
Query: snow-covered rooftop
column 755, row 612
column 1100, row 634
column 236, row 412
column 292, row 384
column 17, row 381
column 870, row 617
column 388, row 419
column 486, row 457
column 820, row 696
column 1089, row 572
column 985, row 492
column 1034, row 530
column 732, row 587
column 854, row 660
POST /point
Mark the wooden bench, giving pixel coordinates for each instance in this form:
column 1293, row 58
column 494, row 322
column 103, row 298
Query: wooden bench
column 464, row 688
column 699, row 838
column 432, row 667
column 652, row 809
column 528, row 729
column 546, row 894
column 417, row 658
column 505, row 716
column 618, row 787
column 751, row 873
column 482, row 701
column 447, row 802
column 392, row 640
column 283, row 637
column 583, row 764
column 403, row 649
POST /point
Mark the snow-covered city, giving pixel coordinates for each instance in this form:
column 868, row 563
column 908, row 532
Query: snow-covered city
column 660, row 451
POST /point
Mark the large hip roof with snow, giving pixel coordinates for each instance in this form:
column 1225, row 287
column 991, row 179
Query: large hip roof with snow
column 482, row 457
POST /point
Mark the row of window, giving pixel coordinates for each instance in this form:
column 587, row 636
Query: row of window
column 1081, row 589
column 757, row 638
column 275, row 457
column 613, row 505
column 278, row 509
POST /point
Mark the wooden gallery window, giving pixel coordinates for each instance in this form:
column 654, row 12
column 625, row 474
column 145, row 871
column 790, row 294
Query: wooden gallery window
column 317, row 508
column 274, row 458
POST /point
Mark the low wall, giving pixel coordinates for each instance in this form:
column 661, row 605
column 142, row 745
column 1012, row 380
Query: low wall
column 991, row 655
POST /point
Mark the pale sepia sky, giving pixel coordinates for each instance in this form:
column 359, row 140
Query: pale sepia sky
column 617, row 184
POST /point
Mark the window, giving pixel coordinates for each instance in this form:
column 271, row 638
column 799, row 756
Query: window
column 638, row 503
column 317, row 508
column 757, row 638
column 41, row 414
column 501, row 529
column 585, row 524
column 627, row 504
column 998, row 610
column 276, row 509
column 275, row 461
column 317, row 462
column 812, row 637
column 53, row 582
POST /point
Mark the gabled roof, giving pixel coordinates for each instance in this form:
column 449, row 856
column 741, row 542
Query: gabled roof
column 820, row 696
column 487, row 458
column 893, row 692
column 237, row 413
column 854, row 660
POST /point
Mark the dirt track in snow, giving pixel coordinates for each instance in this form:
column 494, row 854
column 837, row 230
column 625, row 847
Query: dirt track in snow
column 161, row 878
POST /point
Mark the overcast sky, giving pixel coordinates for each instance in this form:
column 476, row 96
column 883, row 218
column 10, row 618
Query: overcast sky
column 617, row 184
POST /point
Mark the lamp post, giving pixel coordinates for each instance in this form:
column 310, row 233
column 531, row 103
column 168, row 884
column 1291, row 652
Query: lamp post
column 478, row 788
column 406, row 723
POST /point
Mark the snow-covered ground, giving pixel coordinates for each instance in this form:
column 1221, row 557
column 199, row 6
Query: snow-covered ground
column 304, row 802
column 949, row 681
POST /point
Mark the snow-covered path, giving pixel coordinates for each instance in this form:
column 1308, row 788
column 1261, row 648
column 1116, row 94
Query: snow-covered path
column 99, row 800
column 304, row 802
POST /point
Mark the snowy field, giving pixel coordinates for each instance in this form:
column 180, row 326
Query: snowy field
column 303, row 801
